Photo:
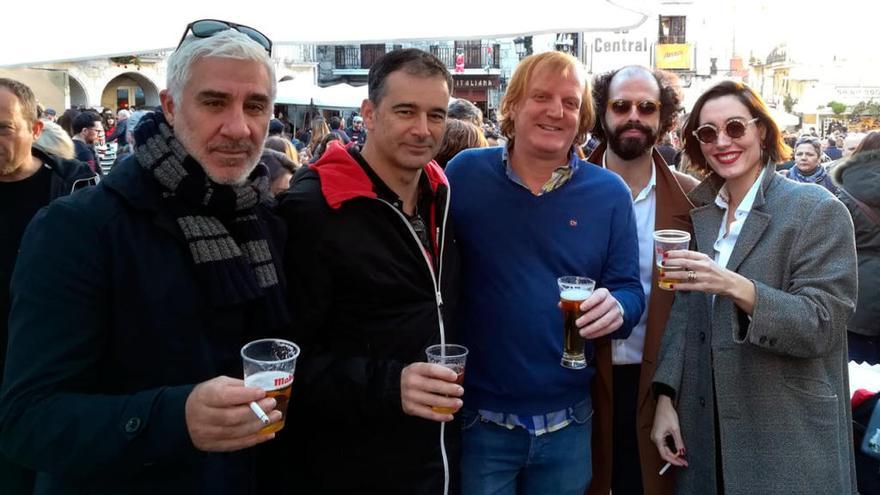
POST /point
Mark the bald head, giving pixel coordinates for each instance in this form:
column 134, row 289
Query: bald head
column 851, row 142
column 634, row 72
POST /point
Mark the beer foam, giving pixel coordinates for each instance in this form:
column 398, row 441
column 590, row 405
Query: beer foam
column 269, row 380
column 575, row 294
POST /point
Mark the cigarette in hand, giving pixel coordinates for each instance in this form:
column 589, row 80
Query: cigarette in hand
column 665, row 468
column 262, row 414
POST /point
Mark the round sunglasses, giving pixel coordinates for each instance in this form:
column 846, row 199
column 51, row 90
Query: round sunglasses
column 734, row 128
column 623, row 107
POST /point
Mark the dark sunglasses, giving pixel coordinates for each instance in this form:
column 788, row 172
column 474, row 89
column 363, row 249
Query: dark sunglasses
column 644, row 107
column 205, row 28
column 735, row 128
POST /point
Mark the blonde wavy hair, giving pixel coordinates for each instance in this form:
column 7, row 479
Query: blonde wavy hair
column 556, row 63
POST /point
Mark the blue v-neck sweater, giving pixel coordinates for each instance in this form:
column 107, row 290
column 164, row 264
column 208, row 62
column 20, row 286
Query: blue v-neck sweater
column 514, row 245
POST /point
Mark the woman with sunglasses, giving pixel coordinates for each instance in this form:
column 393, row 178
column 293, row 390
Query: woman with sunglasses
column 751, row 377
column 808, row 164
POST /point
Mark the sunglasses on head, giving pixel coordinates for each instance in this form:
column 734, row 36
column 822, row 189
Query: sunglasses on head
column 734, row 128
column 205, row 28
column 623, row 107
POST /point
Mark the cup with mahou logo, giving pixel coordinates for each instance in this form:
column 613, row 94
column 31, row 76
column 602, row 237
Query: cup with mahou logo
column 269, row 364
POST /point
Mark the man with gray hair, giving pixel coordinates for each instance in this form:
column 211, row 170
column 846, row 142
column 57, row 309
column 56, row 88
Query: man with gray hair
column 120, row 134
column 461, row 109
column 123, row 348
column 850, row 143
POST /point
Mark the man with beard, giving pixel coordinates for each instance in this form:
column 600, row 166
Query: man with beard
column 635, row 105
column 132, row 299
column 88, row 128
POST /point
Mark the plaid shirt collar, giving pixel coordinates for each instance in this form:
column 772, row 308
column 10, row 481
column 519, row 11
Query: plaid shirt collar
column 558, row 179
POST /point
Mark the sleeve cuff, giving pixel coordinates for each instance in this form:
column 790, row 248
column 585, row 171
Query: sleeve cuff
column 164, row 432
column 658, row 389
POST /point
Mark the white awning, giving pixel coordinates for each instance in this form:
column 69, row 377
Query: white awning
column 305, row 93
column 61, row 30
column 783, row 119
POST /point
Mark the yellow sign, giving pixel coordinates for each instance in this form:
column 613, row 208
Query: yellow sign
column 676, row 56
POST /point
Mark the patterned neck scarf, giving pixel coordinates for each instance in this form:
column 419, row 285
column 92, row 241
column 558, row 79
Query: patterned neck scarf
column 228, row 241
column 816, row 177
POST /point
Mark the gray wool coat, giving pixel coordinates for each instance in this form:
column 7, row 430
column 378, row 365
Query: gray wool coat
column 781, row 381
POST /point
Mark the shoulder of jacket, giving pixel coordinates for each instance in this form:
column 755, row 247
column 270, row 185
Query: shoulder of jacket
column 687, row 182
column 789, row 195
column 304, row 192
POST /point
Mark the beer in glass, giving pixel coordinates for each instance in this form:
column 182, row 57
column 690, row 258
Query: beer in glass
column 572, row 292
column 450, row 356
column 269, row 364
column 668, row 240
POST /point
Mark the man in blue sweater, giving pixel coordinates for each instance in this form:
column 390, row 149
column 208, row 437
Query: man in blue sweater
column 526, row 214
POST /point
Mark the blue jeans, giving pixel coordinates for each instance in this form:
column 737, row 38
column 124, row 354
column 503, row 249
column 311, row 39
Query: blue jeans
column 499, row 461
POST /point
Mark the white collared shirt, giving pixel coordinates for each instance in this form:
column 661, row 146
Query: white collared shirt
column 629, row 350
column 724, row 244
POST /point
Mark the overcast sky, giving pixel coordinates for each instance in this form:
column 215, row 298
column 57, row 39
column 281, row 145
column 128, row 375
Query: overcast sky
column 845, row 28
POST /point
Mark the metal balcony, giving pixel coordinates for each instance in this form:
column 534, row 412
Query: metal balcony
column 476, row 56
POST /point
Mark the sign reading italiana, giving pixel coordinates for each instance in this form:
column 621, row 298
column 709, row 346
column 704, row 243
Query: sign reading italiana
column 475, row 82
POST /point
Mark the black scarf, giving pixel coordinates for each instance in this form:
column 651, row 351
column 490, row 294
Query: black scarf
column 234, row 260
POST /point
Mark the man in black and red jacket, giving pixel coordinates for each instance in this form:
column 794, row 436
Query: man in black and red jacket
column 371, row 266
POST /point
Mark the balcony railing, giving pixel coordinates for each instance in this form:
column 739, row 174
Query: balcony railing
column 358, row 57
column 475, row 56
column 673, row 39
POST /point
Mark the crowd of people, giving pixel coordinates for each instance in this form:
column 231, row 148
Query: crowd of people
column 125, row 302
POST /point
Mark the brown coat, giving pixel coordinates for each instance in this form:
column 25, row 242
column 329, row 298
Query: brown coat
column 673, row 212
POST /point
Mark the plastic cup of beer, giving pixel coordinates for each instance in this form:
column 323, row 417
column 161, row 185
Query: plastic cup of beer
column 668, row 240
column 269, row 364
column 572, row 292
column 450, row 356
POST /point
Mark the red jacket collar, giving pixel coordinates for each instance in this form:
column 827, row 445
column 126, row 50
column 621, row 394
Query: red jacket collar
column 342, row 177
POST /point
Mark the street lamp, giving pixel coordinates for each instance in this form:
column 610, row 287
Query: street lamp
column 519, row 44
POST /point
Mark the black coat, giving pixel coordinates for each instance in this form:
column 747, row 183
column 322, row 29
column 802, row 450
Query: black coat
column 860, row 176
column 109, row 333
column 66, row 177
column 365, row 305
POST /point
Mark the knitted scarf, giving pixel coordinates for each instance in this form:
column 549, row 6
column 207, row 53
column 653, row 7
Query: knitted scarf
column 233, row 257
column 816, row 177
column 819, row 176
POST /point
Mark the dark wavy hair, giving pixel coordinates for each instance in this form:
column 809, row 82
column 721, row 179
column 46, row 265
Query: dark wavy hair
column 773, row 146
column 670, row 98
